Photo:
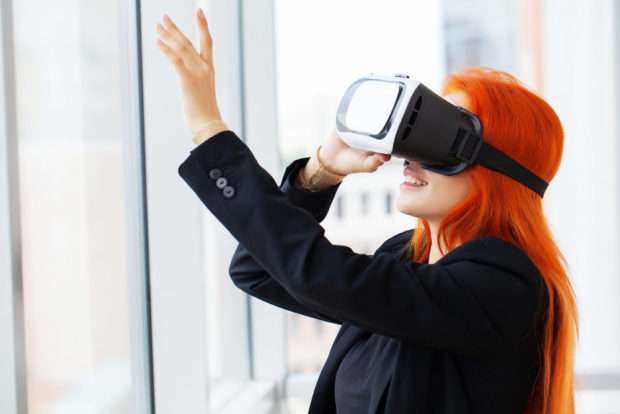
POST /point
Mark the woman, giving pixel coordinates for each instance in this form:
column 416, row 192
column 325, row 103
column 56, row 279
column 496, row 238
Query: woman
column 471, row 312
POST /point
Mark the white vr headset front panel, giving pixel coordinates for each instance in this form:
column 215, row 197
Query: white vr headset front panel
column 356, row 103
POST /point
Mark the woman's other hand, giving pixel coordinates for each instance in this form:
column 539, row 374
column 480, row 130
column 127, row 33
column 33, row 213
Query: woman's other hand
column 340, row 158
column 194, row 70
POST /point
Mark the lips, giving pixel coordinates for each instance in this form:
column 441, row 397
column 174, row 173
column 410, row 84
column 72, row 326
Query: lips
column 409, row 171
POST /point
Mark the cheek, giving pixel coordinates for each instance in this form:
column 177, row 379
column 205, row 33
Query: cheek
column 433, row 203
column 450, row 191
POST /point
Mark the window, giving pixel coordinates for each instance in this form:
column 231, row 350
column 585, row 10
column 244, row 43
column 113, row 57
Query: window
column 315, row 65
column 364, row 204
column 98, row 253
column 388, row 203
column 507, row 35
column 339, row 206
column 481, row 33
column 73, row 207
column 510, row 35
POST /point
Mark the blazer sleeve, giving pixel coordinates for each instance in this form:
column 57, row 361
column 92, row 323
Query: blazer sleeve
column 468, row 302
column 252, row 278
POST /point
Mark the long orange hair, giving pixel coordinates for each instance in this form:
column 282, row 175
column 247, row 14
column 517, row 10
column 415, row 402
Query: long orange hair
column 523, row 125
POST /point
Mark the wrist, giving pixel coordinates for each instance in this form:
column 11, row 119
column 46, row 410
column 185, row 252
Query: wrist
column 324, row 162
column 315, row 177
column 196, row 123
column 209, row 129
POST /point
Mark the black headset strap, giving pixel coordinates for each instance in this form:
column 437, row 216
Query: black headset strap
column 497, row 160
column 473, row 149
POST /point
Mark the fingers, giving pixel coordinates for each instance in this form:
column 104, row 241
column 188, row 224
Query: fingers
column 178, row 46
column 380, row 156
column 372, row 162
column 181, row 46
column 171, row 46
column 206, row 42
column 175, row 35
column 175, row 59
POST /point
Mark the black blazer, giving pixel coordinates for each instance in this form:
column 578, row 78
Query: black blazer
column 464, row 332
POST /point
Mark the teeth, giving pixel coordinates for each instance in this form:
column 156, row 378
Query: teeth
column 409, row 179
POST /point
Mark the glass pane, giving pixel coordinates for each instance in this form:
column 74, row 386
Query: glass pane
column 427, row 40
column 73, row 206
column 330, row 59
column 483, row 33
column 518, row 37
column 358, row 217
column 508, row 35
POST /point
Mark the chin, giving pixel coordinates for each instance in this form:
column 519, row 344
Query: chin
column 412, row 206
column 405, row 209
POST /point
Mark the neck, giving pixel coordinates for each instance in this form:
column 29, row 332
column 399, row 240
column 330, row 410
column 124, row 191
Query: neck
column 435, row 254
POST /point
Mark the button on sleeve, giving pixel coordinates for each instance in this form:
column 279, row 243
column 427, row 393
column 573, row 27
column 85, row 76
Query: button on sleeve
column 221, row 183
column 228, row 192
column 215, row 173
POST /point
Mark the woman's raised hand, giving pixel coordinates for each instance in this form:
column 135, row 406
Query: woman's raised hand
column 194, row 70
column 340, row 158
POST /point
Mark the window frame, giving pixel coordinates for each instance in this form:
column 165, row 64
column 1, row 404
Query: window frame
column 260, row 132
column 201, row 247
column 13, row 385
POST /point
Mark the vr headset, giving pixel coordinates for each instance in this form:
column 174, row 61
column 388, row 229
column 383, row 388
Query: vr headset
column 400, row 116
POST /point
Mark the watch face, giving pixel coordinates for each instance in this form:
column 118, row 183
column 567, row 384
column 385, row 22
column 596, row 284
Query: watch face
column 371, row 105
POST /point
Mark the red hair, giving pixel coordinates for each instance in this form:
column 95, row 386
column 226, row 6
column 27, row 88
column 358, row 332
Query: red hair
column 523, row 125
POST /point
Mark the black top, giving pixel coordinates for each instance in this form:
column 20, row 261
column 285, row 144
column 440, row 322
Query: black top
column 462, row 333
column 355, row 373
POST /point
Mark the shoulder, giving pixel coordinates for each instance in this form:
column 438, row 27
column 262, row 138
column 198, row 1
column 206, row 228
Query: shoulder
column 488, row 252
column 491, row 250
column 396, row 242
column 494, row 253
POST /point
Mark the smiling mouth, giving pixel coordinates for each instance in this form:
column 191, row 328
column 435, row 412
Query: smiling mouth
column 411, row 180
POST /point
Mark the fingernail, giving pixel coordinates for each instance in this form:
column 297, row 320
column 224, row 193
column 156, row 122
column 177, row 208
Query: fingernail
column 202, row 13
column 166, row 18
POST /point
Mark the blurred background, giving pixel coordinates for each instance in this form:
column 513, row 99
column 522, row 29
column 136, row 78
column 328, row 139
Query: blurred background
column 114, row 287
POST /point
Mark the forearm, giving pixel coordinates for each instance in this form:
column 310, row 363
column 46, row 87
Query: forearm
column 244, row 271
column 313, row 177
